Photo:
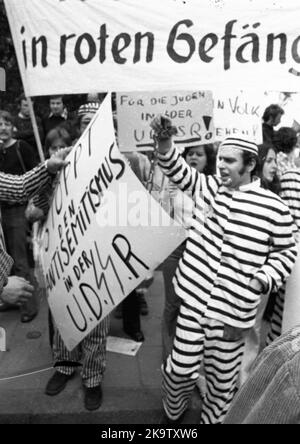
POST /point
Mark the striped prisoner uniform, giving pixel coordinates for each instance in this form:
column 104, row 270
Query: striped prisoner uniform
column 290, row 194
column 92, row 351
column 235, row 236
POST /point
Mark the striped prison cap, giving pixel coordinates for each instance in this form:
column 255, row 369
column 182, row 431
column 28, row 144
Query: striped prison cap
column 87, row 108
column 242, row 144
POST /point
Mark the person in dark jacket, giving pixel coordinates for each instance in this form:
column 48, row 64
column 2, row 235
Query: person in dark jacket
column 58, row 114
column 271, row 118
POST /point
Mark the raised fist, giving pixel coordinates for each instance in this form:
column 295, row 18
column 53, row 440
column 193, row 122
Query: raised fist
column 163, row 128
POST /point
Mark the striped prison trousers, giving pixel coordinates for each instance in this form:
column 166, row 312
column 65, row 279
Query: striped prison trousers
column 276, row 318
column 199, row 340
column 92, row 351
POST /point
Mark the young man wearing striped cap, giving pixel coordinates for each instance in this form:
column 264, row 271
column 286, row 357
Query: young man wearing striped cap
column 240, row 245
column 86, row 113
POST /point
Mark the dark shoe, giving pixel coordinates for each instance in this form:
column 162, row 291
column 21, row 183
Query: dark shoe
column 137, row 336
column 93, row 397
column 28, row 317
column 144, row 310
column 57, row 383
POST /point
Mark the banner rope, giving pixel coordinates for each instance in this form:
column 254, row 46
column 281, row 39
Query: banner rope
column 30, row 372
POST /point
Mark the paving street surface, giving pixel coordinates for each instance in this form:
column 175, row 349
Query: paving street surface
column 131, row 388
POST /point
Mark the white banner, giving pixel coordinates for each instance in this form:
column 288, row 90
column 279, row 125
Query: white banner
column 191, row 112
column 76, row 46
column 104, row 233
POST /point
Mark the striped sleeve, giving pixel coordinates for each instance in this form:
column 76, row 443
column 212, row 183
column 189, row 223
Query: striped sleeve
column 283, row 250
column 179, row 172
column 290, row 193
column 16, row 188
column 6, row 264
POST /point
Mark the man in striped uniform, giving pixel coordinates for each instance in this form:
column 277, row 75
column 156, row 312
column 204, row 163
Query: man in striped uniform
column 240, row 245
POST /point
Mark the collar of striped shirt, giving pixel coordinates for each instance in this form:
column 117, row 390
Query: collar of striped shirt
column 254, row 185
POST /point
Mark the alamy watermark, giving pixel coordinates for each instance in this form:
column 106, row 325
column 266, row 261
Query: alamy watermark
column 123, row 207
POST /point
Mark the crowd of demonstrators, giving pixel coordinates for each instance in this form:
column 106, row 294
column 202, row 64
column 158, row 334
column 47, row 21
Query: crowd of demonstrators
column 238, row 253
column 240, row 246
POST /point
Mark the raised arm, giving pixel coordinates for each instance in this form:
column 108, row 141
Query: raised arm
column 17, row 188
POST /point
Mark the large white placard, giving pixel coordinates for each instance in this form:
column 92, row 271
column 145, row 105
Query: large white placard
column 191, row 112
column 103, row 235
column 75, row 46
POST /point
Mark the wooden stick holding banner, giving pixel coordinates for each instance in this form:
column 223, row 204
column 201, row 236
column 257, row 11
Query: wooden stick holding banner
column 150, row 181
column 35, row 130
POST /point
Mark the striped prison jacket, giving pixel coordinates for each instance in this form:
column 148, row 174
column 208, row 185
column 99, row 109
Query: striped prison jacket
column 290, row 193
column 17, row 189
column 235, row 236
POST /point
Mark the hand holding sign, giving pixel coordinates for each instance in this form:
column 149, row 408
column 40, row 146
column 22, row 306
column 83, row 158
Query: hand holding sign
column 57, row 161
column 17, row 290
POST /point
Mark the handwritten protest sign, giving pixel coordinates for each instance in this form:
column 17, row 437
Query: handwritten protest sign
column 190, row 111
column 103, row 235
column 155, row 45
column 238, row 112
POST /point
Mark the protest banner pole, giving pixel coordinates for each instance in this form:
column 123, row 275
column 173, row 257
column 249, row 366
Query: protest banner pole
column 151, row 173
column 35, row 130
